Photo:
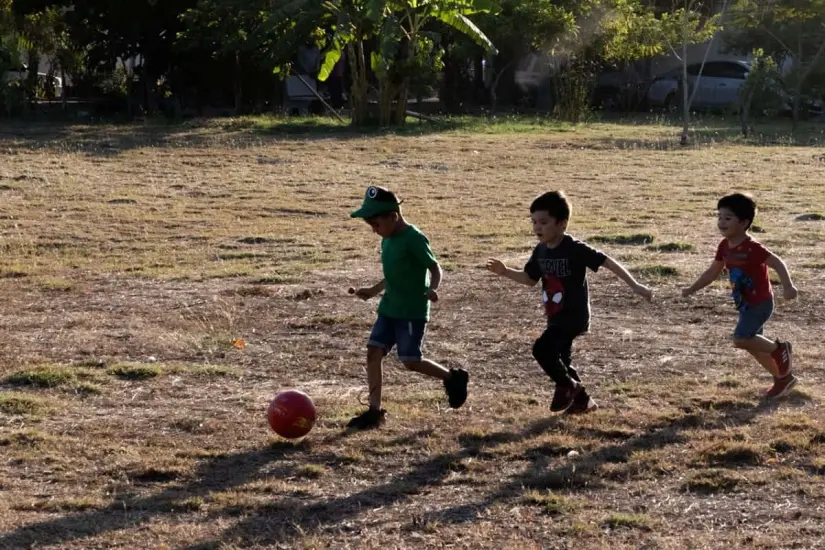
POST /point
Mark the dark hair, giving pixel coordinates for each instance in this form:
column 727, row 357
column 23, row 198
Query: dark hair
column 555, row 203
column 743, row 206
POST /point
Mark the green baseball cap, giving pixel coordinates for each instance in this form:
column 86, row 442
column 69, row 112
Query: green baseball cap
column 377, row 200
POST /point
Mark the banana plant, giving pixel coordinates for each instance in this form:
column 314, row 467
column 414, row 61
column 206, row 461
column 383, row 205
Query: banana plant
column 396, row 29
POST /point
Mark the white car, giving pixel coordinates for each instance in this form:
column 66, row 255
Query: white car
column 718, row 87
column 23, row 73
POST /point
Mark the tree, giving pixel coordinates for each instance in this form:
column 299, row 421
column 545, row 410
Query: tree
column 690, row 22
column 399, row 35
column 783, row 30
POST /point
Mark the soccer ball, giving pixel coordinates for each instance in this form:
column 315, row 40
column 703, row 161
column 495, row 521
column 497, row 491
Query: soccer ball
column 291, row 414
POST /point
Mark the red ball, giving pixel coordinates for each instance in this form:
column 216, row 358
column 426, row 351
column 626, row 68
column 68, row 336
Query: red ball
column 291, row 414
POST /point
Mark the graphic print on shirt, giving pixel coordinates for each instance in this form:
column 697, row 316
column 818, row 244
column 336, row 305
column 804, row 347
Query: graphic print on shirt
column 552, row 295
column 741, row 286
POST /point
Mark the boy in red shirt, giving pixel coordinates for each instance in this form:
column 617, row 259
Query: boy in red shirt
column 747, row 262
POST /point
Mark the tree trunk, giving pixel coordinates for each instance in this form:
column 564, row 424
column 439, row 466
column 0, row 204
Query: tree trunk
column 238, row 88
column 401, row 105
column 64, row 96
column 31, row 83
column 744, row 113
column 684, row 139
column 358, row 89
column 494, row 87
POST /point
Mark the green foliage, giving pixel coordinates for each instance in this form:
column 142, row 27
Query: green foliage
column 781, row 30
column 762, row 92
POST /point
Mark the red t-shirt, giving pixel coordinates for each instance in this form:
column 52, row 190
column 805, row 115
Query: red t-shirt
column 749, row 280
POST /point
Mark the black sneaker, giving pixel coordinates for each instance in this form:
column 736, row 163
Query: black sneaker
column 456, row 387
column 583, row 403
column 371, row 418
column 565, row 395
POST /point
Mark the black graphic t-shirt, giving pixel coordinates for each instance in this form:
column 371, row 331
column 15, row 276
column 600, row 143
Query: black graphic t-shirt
column 562, row 272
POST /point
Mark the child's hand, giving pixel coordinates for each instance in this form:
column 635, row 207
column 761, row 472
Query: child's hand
column 643, row 291
column 496, row 266
column 432, row 295
column 790, row 292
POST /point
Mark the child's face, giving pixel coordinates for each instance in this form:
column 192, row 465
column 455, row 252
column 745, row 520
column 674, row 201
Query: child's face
column 729, row 225
column 547, row 228
column 383, row 225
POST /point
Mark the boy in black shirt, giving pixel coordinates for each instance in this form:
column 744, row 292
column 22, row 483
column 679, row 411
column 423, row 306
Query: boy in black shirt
column 560, row 262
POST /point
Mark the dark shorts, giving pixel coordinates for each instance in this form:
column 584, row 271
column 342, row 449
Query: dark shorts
column 752, row 319
column 407, row 335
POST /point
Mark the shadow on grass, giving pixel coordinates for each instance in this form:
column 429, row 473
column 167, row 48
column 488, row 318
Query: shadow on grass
column 110, row 139
column 214, row 475
column 292, row 516
column 262, row 527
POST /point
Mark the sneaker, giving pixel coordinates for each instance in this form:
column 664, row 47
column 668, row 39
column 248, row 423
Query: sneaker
column 783, row 357
column 456, row 387
column 583, row 403
column 781, row 386
column 371, row 418
column 565, row 395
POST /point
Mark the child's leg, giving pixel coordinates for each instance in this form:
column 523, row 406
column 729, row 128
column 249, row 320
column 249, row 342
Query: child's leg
column 748, row 335
column 583, row 402
column 410, row 338
column 552, row 350
column 381, row 341
column 762, row 350
column 409, row 334
column 375, row 356
column 567, row 359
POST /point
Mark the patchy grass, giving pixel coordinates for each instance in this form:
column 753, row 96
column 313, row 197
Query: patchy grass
column 549, row 502
column 634, row 239
column 311, row 471
column 656, row 271
column 59, row 505
column 671, row 247
column 25, row 438
column 129, row 371
column 240, row 232
column 734, row 454
column 55, row 284
column 42, row 377
column 14, row 403
column 628, row 521
column 712, row 481
column 812, row 217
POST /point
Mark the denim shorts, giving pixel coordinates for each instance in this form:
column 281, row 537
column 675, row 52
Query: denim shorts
column 405, row 334
column 752, row 319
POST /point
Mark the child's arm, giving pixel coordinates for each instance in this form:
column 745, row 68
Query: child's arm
column 371, row 291
column 435, row 280
column 498, row 267
column 619, row 270
column 788, row 289
column 710, row 275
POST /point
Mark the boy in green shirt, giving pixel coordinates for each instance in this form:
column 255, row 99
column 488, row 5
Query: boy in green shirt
column 411, row 279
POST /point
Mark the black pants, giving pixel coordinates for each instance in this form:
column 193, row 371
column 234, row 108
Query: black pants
column 553, row 352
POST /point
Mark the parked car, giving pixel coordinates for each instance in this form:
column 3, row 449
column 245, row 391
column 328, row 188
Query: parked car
column 21, row 74
column 718, row 88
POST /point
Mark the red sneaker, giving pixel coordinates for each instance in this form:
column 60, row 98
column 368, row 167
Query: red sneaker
column 781, row 386
column 784, row 358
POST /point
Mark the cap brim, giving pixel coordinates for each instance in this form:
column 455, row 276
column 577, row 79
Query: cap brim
column 370, row 210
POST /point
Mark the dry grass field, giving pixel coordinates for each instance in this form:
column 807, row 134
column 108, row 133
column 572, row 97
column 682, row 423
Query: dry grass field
column 131, row 259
